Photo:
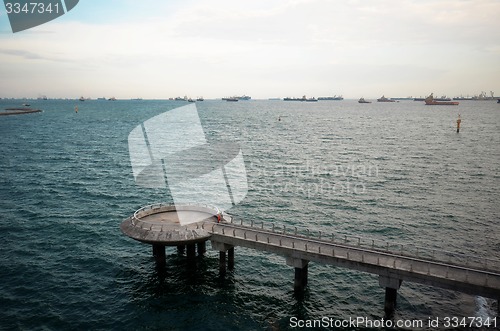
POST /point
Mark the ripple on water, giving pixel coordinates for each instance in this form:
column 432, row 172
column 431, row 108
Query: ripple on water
column 66, row 185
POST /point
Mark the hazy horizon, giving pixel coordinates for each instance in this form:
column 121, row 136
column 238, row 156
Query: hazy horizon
column 265, row 49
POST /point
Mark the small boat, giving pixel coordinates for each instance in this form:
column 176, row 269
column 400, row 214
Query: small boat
column 82, row 98
column 190, row 100
column 362, row 100
column 431, row 101
column 498, row 101
column 200, row 99
column 112, row 99
column 384, row 99
column 26, row 104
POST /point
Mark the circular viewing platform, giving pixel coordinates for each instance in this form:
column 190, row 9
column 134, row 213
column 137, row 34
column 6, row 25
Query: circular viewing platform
column 170, row 225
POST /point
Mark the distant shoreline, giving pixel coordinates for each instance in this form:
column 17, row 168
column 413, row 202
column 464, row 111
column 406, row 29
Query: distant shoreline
column 17, row 111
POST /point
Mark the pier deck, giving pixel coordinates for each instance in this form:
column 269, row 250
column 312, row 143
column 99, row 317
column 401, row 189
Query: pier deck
column 475, row 279
column 192, row 225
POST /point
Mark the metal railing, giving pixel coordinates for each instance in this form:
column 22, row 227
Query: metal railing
column 395, row 248
column 155, row 208
column 333, row 237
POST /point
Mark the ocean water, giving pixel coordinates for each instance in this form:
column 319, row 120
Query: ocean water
column 390, row 171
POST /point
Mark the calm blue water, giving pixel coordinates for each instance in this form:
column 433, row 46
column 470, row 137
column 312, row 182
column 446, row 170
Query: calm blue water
column 388, row 171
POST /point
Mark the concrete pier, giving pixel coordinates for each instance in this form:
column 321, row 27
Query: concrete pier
column 226, row 256
column 301, row 273
column 18, row 111
column 230, row 258
column 391, row 286
column 222, row 263
column 159, row 254
column 201, row 247
column 158, row 225
column 191, row 251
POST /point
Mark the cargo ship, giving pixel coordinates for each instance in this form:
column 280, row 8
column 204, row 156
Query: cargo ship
column 384, row 99
column 435, row 102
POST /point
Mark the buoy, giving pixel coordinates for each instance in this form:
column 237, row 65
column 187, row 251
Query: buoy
column 458, row 123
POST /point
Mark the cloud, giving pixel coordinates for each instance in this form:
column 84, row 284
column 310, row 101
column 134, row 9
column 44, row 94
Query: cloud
column 21, row 53
column 221, row 43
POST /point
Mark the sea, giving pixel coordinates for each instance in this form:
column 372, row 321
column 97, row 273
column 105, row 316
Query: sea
column 396, row 172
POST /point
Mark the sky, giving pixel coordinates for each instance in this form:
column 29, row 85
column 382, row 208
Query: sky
column 262, row 48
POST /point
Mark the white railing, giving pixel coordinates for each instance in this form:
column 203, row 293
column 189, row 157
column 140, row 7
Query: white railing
column 401, row 249
column 155, row 208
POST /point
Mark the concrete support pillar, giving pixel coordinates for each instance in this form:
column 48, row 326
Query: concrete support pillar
column 191, row 251
column 223, row 248
column 180, row 249
column 222, row 262
column 301, row 273
column 202, row 247
column 230, row 258
column 159, row 254
column 391, row 295
column 300, row 281
column 391, row 286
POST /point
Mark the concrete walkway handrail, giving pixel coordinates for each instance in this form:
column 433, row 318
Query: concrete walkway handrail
column 404, row 250
column 160, row 207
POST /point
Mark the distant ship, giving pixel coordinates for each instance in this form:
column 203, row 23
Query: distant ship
column 462, row 98
column 384, row 99
column 402, row 99
column 443, row 98
column 362, row 100
column 112, row 99
column 100, row 99
column 434, row 102
column 304, row 98
column 233, row 99
column 82, row 98
column 335, row 97
column 200, row 99
column 243, row 97
column 483, row 97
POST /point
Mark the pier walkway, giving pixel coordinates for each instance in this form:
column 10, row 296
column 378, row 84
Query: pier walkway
column 192, row 225
column 394, row 263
